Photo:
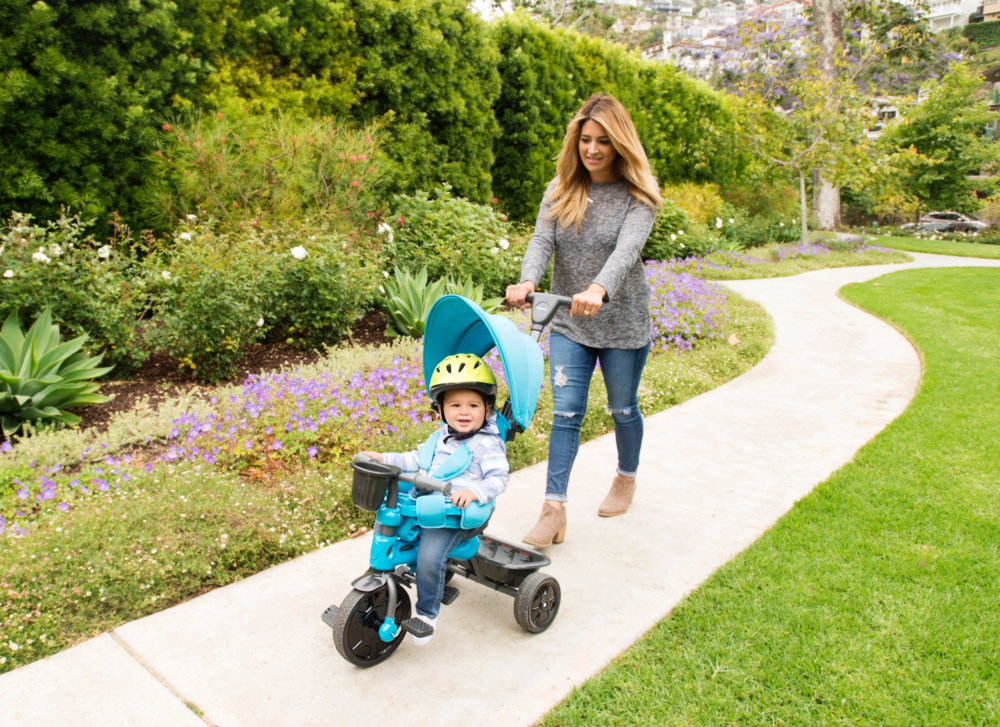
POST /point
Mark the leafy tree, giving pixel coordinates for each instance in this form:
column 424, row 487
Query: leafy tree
column 928, row 154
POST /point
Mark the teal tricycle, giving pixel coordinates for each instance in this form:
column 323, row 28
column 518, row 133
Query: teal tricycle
column 367, row 625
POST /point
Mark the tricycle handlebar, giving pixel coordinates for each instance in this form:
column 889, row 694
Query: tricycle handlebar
column 414, row 478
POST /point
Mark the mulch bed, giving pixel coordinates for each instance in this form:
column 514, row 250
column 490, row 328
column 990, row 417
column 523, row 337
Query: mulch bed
column 159, row 378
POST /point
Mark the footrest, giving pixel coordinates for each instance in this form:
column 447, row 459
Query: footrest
column 329, row 615
column 417, row 627
column 450, row 594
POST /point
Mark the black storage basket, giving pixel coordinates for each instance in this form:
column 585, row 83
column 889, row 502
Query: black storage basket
column 371, row 480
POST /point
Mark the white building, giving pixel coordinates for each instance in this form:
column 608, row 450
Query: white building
column 946, row 14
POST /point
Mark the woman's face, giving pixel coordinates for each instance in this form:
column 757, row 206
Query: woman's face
column 597, row 152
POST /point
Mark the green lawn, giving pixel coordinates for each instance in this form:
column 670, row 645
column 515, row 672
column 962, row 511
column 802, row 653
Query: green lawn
column 941, row 247
column 876, row 600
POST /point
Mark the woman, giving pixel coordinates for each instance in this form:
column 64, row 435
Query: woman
column 595, row 217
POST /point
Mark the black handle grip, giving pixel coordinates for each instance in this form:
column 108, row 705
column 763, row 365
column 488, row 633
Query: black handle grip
column 428, row 483
column 544, row 307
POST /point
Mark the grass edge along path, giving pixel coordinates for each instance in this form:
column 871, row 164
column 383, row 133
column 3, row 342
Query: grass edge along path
column 874, row 600
column 189, row 528
column 941, row 247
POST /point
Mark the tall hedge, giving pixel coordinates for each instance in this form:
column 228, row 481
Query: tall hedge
column 985, row 34
column 85, row 83
column 546, row 76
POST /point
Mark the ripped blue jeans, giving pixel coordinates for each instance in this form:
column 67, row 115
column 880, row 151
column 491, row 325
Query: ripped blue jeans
column 571, row 366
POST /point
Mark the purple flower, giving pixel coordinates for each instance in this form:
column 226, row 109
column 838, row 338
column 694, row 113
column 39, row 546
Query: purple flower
column 23, row 493
column 312, row 452
column 5, row 447
column 248, row 444
column 276, row 445
column 63, row 506
column 74, row 482
column 149, row 467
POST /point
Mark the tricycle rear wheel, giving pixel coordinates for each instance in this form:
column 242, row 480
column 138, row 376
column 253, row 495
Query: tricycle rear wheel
column 537, row 602
column 355, row 628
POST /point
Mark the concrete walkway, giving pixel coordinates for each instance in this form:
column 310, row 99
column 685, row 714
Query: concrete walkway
column 717, row 471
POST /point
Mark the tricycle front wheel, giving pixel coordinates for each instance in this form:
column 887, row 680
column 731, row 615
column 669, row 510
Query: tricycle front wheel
column 537, row 602
column 355, row 628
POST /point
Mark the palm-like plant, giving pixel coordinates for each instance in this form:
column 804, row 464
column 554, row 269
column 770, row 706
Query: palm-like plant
column 408, row 300
column 40, row 378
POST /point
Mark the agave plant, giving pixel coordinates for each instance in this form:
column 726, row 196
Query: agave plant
column 408, row 300
column 467, row 289
column 40, row 378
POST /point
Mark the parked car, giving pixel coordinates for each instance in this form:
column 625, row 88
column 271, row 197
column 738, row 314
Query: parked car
column 951, row 222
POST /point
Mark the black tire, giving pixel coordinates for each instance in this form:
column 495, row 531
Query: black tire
column 537, row 602
column 355, row 630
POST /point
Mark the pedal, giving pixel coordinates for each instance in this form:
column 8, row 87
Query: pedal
column 450, row 594
column 417, row 627
column 329, row 615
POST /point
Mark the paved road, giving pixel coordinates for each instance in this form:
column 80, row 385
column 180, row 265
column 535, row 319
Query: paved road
column 717, row 471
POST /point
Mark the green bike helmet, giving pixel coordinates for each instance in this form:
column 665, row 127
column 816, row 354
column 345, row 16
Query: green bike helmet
column 463, row 371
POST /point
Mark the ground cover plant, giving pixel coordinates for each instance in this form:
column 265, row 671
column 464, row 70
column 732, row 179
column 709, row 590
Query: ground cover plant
column 874, row 600
column 781, row 259
column 942, row 247
column 100, row 530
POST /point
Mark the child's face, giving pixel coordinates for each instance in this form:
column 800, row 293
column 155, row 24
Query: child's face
column 464, row 410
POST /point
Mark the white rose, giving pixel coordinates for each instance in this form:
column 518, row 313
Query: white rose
column 385, row 273
column 381, row 290
column 731, row 221
column 682, row 244
column 104, row 252
column 185, row 235
column 718, row 223
column 260, row 322
column 782, row 224
column 8, row 274
column 298, row 252
column 673, row 237
column 680, row 232
column 192, row 218
column 494, row 250
column 55, row 250
column 40, row 257
column 166, row 274
column 503, row 244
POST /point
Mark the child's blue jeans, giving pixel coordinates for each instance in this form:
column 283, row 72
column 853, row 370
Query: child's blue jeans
column 435, row 544
column 571, row 366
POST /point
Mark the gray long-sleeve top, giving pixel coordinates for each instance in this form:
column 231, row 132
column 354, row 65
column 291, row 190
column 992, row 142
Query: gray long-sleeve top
column 606, row 251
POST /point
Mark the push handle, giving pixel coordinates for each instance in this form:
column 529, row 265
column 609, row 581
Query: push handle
column 544, row 307
column 428, row 483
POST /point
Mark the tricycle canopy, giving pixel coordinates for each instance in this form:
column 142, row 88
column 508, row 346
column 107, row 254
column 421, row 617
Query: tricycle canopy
column 457, row 325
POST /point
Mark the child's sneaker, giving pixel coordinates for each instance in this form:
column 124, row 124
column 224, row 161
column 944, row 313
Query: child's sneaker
column 420, row 628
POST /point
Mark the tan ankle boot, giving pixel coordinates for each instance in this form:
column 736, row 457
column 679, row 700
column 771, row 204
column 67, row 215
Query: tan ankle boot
column 550, row 528
column 619, row 498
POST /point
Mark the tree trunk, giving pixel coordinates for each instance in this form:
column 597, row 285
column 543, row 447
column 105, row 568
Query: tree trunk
column 828, row 24
column 803, row 210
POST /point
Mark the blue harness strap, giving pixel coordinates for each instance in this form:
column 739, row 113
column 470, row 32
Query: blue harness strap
column 432, row 511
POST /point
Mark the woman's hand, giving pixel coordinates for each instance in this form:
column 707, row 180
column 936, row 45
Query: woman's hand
column 516, row 294
column 462, row 498
column 375, row 456
column 587, row 303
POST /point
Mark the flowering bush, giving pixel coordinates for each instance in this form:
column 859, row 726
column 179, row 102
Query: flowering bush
column 739, row 226
column 676, row 235
column 240, row 166
column 453, row 236
column 218, row 292
column 700, row 201
column 92, row 289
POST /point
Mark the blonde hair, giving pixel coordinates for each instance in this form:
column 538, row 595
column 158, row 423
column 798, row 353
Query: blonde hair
column 569, row 198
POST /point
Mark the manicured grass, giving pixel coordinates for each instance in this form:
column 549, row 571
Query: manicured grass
column 941, row 247
column 875, row 600
column 177, row 531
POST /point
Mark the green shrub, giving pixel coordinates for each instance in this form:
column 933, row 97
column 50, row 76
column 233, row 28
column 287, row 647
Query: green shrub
column 430, row 70
column 701, row 201
column 240, row 166
column 41, row 378
column 676, row 235
column 211, row 298
column 91, row 289
column 546, row 76
column 453, row 236
column 319, row 297
column 985, row 34
column 756, row 230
